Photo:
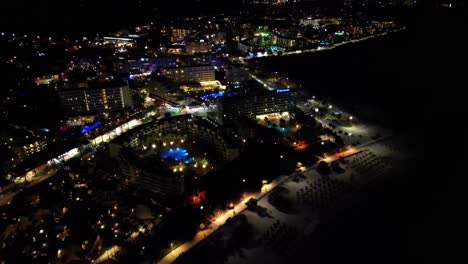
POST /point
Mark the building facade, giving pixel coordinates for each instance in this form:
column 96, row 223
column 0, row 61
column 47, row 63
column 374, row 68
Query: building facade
column 86, row 99
column 190, row 74
column 231, row 108
column 178, row 34
column 161, row 183
column 187, row 125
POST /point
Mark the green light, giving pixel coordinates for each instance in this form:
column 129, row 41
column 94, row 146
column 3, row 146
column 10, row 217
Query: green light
column 339, row 33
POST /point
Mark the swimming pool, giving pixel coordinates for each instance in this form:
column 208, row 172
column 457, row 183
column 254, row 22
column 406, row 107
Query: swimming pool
column 176, row 154
column 280, row 129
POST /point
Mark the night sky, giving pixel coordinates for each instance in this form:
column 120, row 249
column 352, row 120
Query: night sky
column 87, row 15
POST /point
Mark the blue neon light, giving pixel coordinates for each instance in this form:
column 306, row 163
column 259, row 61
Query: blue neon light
column 85, row 129
column 282, row 90
column 212, row 95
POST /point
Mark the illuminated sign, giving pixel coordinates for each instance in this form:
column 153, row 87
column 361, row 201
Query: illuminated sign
column 282, row 90
column 212, row 95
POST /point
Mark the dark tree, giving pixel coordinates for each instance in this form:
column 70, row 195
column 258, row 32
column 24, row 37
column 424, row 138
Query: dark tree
column 323, row 168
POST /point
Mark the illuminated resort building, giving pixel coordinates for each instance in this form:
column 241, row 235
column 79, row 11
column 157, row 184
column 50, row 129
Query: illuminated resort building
column 190, row 74
column 278, row 101
column 186, row 128
column 179, row 34
column 198, row 129
column 94, row 97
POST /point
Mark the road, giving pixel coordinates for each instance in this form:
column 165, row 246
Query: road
column 240, row 208
column 38, row 176
column 8, row 197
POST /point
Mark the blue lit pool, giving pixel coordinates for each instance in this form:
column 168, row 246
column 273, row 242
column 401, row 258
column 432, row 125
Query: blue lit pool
column 280, row 129
column 176, row 154
column 92, row 126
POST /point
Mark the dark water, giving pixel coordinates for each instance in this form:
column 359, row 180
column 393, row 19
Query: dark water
column 370, row 78
column 399, row 80
column 412, row 82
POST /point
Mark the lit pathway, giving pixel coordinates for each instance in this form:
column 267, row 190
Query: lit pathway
column 221, row 220
column 239, row 208
column 110, row 253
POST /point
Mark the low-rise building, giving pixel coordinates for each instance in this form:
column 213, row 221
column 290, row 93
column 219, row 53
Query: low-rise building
column 194, row 47
column 179, row 34
column 250, row 106
column 29, row 149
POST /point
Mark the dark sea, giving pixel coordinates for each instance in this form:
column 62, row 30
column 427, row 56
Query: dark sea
column 412, row 82
column 370, row 78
